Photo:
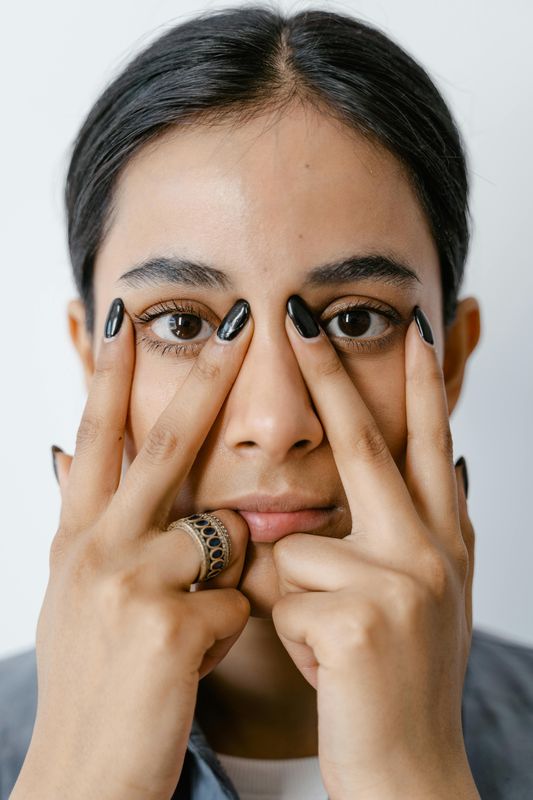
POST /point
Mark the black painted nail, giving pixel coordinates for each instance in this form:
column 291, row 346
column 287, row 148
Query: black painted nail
column 423, row 325
column 234, row 321
column 55, row 449
column 302, row 318
column 464, row 472
column 114, row 318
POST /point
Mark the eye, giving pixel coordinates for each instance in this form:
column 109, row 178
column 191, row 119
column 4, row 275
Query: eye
column 178, row 327
column 361, row 326
column 181, row 325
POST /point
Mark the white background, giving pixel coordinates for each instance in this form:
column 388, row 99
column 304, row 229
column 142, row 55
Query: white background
column 55, row 58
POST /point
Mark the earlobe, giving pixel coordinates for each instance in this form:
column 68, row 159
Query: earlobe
column 461, row 340
column 80, row 337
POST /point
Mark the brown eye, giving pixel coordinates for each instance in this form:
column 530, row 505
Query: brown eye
column 185, row 326
column 357, row 322
column 182, row 327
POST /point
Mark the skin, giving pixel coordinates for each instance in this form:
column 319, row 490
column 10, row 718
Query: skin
column 265, row 204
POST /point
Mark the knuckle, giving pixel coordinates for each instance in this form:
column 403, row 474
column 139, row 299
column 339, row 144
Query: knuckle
column 407, row 597
column 161, row 444
column 164, row 622
column 117, row 588
column 436, row 573
column 104, row 368
column 354, row 628
column 207, row 370
column 88, row 557
column 329, row 365
column 370, row 444
column 88, row 431
column 443, row 440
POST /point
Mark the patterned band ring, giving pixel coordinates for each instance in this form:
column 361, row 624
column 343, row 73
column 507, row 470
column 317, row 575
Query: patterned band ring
column 213, row 540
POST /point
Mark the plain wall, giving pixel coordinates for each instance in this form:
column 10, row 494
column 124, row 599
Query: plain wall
column 55, row 58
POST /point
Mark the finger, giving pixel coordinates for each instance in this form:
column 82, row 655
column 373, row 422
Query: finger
column 429, row 470
column 469, row 537
column 96, row 468
column 150, row 485
column 218, row 651
column 305, row 562
column 298, row 618
column 224, row 612
column 371, row 479
column 174, row 558
column 61, row 462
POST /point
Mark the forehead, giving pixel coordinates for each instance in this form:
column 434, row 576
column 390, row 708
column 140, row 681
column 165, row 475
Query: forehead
column 280, row 193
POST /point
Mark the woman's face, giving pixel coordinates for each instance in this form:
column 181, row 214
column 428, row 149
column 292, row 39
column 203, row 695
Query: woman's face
column 266, row 203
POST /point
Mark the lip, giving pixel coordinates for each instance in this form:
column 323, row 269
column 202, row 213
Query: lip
column 274, row 525
column 269, row 503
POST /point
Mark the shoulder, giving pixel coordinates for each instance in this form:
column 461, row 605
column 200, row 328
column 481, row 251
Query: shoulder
column 18, row 706
column 498, row 716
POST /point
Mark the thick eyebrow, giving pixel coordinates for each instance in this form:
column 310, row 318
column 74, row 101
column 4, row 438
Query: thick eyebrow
column 378, row 268
column 163, row 270
column 174, row 270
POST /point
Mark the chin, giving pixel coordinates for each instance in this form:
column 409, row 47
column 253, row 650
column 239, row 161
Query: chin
column 259, row 582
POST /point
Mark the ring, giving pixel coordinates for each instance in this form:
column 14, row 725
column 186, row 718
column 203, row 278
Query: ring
column 213, row 540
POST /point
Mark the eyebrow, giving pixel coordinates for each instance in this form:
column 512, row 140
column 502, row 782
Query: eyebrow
column 184, row 272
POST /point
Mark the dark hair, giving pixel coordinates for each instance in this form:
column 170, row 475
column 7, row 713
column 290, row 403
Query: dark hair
column 229, row 64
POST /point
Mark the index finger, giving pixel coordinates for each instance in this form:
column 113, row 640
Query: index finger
column 150, row 484
column 371, row 479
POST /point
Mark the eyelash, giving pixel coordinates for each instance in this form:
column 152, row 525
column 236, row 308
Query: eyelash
column 372, row 344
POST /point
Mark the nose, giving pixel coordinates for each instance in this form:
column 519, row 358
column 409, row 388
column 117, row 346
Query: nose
column 269, row 409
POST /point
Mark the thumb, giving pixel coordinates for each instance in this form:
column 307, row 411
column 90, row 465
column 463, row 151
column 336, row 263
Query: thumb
column 61, row 462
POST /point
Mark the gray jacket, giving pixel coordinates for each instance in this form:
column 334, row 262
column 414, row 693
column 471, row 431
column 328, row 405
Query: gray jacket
column 497, row 713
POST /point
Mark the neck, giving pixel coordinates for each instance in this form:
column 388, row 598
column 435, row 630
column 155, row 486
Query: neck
column 256, row 703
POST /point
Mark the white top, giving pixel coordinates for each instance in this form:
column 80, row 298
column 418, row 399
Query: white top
column 275, row 779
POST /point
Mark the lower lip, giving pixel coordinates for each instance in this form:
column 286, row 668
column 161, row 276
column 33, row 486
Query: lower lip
column 271, row 526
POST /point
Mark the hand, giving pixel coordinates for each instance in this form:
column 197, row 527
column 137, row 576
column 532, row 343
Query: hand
column 121, row 641
column 380, row 622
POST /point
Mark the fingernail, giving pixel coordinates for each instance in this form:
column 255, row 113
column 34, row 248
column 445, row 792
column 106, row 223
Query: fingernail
column 302, row 318
column 114, row 319
column 234, row 321
column 55, row 449
column 464, row 472
column 423, row 325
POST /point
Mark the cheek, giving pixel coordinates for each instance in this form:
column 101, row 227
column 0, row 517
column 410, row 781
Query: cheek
column 153, row 388
column 382, row 386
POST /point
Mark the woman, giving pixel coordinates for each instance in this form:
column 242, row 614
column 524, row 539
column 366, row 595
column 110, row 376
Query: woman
column 268, row 226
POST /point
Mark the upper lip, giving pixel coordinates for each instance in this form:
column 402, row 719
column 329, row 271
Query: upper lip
column 271, row 503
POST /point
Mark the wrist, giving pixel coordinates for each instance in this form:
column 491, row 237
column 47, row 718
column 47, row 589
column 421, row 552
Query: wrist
column 414, row 784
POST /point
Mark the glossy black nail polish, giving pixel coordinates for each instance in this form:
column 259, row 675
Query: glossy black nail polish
column 55, row 449
column 301, row 315
column 464, row 472
column 423, row 325
column 114, row 318
column 234, row 321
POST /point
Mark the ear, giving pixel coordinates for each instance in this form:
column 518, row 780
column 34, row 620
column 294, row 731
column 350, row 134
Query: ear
column 461, row 339
column 80, row 337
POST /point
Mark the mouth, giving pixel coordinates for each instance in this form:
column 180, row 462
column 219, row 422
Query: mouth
column 270, row 526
